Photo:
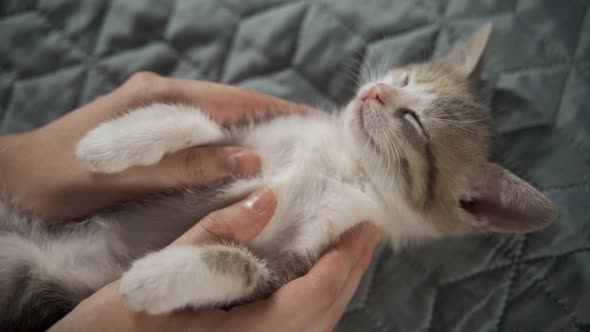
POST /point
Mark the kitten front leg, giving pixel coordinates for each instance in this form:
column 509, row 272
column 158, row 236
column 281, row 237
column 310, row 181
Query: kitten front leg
column 193, row 276
column 143, row 136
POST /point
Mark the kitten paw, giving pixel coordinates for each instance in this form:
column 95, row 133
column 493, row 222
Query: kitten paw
column 187, row 276
column 156, row 283
column 142, row 137
column 102, row 151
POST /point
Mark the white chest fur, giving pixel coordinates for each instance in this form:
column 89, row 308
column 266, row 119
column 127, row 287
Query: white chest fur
column 316, row 173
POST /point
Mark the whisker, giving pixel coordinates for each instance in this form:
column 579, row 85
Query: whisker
column 451, row 123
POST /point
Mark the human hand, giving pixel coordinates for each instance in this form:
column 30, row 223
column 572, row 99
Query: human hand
column 314, row 302
column 41, row 171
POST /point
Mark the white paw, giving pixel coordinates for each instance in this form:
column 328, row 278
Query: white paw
column 105, row 151
column 143, row 136
column 176, row 278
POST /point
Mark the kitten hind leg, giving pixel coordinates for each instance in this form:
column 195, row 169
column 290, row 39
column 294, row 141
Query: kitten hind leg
column 144, row 136
column 193, row 276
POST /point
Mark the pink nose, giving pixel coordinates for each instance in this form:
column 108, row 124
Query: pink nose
column 375, row 93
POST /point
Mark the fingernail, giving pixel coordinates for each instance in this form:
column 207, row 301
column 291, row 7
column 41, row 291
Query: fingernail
column 372, row 233
column 376, row 236
column 365, row 231
column 362, row 232
column 260, row 200
column 244, row 162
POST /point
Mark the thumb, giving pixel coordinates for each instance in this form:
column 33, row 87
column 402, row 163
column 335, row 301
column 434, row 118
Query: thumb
column 238, row 223
column 192, row 167
column 197, row 166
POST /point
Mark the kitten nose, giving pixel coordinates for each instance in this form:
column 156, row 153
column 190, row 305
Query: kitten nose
column 375, row 93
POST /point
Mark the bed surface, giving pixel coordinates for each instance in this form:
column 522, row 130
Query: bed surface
column 56, row 55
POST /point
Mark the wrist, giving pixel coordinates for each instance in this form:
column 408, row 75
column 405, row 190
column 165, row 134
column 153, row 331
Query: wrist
column 13, row 148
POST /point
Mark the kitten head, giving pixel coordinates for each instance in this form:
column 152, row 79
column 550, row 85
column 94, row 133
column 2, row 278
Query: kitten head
column 426, row 139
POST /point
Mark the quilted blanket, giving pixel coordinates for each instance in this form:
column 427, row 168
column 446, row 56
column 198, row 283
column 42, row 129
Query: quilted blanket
column 58, row 54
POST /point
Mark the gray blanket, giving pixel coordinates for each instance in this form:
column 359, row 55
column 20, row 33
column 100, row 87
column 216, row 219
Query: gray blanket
column 57, row 54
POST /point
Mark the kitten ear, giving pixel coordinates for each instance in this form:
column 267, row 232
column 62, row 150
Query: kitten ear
column 501, row 202
column 465, row 58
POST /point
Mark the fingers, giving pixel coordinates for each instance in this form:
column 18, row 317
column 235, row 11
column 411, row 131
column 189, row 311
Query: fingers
column 327, row 279
column 354, row 278
column 227, row 103
column 324, row 283
column 199, row 166
column 239, row 223
column 191, row 167
column 223, row 102
column 319, row 297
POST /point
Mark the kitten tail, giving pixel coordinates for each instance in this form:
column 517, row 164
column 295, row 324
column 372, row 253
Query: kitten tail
column 32, row 296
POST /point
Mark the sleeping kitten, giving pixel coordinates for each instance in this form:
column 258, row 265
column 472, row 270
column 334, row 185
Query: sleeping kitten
column 409, row 152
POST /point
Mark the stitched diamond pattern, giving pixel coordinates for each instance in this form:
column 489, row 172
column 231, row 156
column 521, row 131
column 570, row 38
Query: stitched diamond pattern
column 58, row 54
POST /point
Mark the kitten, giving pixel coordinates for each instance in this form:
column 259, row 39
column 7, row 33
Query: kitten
column 409, row 152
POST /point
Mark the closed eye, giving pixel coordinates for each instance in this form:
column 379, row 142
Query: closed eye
column 411, row 116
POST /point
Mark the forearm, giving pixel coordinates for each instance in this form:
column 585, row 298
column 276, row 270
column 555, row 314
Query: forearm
column 31, row 174
column 39, row 172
